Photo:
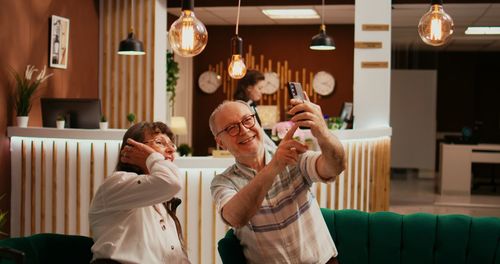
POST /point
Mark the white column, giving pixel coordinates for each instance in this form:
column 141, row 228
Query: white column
column 372, row 85
column 160, row 62
column 184, row 95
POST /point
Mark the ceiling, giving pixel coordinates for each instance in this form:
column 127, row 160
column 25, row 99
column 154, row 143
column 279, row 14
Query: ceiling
column 405, row 19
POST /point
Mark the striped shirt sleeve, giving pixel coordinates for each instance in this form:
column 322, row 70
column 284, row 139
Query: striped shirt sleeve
column 222, row 191
column 307, row 166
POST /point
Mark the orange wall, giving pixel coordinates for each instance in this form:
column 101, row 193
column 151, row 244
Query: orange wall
column 24, row 34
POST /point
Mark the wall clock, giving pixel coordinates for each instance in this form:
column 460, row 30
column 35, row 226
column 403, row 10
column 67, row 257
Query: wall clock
column 323, row 83
column 209, row 81
column 272, row 83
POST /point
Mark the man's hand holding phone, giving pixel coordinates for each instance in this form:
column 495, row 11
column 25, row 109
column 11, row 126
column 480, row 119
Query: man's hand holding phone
column 308, row 115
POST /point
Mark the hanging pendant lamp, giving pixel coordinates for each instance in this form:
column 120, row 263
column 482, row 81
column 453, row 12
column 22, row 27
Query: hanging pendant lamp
column 131, row 46
column 187, row 35
column 237, row 68
column 322, row 41
column 436, row 26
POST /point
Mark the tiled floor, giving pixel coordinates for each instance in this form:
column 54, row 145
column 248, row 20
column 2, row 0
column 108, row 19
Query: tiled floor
column 409, row 194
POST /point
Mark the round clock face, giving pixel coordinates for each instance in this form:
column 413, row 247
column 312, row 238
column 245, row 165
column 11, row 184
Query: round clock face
column 323, row 83
column 209, row 81
column 272, row 83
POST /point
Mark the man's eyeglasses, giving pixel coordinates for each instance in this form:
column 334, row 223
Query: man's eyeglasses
column 161, row 142
column 234, row 129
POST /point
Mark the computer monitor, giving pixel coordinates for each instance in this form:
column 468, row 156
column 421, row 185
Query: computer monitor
column 78, row 113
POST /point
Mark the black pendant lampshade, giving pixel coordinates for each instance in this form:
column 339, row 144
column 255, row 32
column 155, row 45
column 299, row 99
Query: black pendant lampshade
column 322, row 41
column 131, row 46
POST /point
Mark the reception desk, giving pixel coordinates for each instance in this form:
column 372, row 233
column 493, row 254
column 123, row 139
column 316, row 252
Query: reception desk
column 55, row 174
column 456, row 165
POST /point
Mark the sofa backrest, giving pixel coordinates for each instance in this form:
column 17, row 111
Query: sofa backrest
column 51, row 248
column 385, row 237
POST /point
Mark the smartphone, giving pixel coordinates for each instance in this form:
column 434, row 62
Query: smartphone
column 295, row 91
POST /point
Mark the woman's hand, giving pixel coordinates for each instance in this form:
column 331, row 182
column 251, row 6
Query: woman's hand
column 136, row 153
column 308, row 114
column 288, row 150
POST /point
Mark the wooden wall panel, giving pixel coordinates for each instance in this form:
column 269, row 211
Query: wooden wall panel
column 126, row 85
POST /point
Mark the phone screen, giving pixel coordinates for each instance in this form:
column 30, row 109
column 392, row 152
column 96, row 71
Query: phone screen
column 295, row 90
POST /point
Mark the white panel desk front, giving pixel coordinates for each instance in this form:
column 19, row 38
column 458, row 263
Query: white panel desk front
column 56, row 172
column 456, row 165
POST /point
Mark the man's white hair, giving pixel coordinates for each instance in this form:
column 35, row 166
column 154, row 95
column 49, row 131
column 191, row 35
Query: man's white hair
column 211, row 121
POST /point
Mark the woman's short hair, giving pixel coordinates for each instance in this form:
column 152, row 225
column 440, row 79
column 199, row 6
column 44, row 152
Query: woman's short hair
column 252, row 77
column 137, row 132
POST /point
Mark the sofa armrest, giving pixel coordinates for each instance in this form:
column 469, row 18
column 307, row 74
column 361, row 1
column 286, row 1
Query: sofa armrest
column 230, row 250
column 11, row 254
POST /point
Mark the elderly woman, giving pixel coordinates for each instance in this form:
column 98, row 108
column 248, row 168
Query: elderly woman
column 130, row 218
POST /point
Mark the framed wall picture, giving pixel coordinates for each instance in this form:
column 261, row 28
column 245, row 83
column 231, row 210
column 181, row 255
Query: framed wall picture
column 346, row 112
column 59, row 40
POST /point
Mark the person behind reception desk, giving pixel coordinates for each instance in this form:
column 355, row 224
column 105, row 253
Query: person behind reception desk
column 249, row 90
column 130, row 218
column 266, row 194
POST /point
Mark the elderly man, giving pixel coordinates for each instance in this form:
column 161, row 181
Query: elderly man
column 266, row 195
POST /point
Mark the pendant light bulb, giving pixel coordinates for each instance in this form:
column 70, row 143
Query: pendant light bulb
column 436, row 26
column 237, row 68
column 187, row 35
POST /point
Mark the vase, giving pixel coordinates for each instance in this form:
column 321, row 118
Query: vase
column 103, row 125
column 60, row 124
column 22, row 121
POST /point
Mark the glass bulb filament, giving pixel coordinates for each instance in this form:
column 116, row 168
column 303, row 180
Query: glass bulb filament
column 436, row 29
column 187, row 35
column 237, row 68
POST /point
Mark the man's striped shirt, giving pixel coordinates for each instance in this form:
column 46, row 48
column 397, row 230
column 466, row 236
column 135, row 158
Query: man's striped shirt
column 289, row 226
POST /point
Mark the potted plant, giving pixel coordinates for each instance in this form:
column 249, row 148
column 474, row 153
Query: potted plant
column 172, row 77
column 3, row 219
column 103, row 123
column 24, row 91
column 184, row 150
column 60, row 121
column 131, row 118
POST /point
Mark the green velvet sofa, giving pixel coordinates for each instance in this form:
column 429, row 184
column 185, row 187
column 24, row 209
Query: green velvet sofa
column 389, row 238
column 46, row 248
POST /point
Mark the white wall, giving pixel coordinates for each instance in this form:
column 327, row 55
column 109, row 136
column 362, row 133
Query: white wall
column 413, row 119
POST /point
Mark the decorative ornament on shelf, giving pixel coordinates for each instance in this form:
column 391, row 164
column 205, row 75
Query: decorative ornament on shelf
column 187, row 35
column 237, row 68
column 436, row 26
column 323, row 83
column 24, row 91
